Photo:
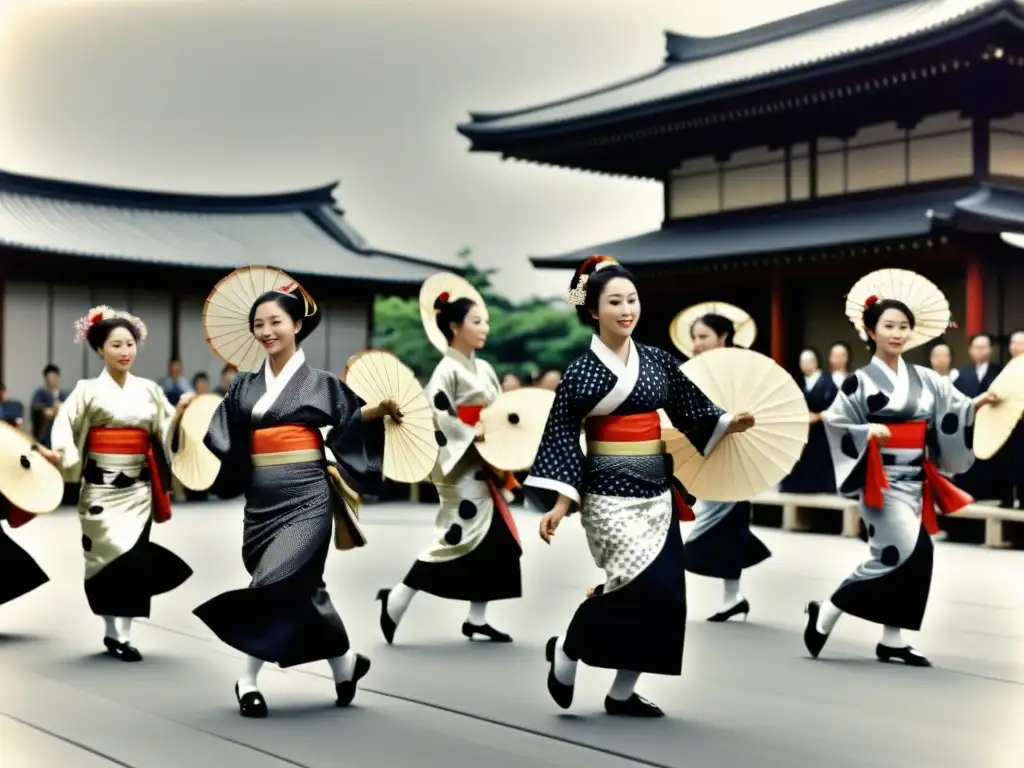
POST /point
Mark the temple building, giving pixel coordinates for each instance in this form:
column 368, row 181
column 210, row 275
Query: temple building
column 799, row 155
column 66, row 247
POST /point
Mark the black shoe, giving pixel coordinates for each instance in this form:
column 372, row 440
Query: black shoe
column 907, row 655
column 634, row 706
column 387, row 626
column 813, row 639
column 562, row 694
column 347, row 690
column 741, row 607
column 470, row 630
column 252, row 704
column 122, row 651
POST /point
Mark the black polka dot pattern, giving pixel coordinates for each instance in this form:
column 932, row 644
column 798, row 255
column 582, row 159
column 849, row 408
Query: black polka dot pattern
column 439, row 437
column 480, row 475
column 86, row 543
column 890, row 556
column 850, row 385
column 121, row 480
column 453, row 535
column 92, row 474
column 950, row 424
column 849, row 447
column 877, row 402
column 871, row 531
column 467, row 509
column 442, row 403
column 95, row 509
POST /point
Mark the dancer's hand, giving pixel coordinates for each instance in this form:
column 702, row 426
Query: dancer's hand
column 50, row 455
column 390, row 408
column 741, row 422
column 985, row 398
column 549, row 524
column 880, row 433
column 184, row 400
column 479, row 431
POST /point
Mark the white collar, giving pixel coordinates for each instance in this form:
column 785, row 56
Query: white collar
column 894, row 377
column 467, row 362
column 612, row 360
column 811, row 380
column 106, row 378
column 294, row 363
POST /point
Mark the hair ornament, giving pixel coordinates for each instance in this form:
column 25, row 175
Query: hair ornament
column 870, row 301
column 307, row 300
column 444, row 297
column 101, row 313
column 577, row 297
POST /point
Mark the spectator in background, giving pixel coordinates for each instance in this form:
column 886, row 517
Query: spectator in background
column 509, row 382
column 11, row 411
column 201, row 384
column 1015, row 445
column 839, row 362
column 45, row 404
column 986, row 480
column 940, row 358
column 549, row 380
column 814, row 473
column 174, row 384
column 227, row 375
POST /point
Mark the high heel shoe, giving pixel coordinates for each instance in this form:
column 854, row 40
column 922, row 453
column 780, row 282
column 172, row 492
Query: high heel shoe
column 741, row 607
column 908, row 655
column 251, row 704
column 813, row 639
column 561, row 693
column 471, row 630
column 387, row 626
column 121, row 651
column 347, row 690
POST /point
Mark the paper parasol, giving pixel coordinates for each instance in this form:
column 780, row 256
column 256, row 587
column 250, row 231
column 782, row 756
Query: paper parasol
column 457, row 288
column 745, row 464
column 513, row 427
column 994, row 424
column 410, row 450
column 194, row 465
column 922, row 296
column 679, row 329
column 226, row 315
column 27, row 480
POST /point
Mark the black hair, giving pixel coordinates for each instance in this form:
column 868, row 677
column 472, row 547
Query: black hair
column 597, row 280
column 294, row 306
column 449, row 312
column 198, row 376
column 982, row 335
column 720, row 324
column 99, row 331
column 874, row 313
column 51, row 368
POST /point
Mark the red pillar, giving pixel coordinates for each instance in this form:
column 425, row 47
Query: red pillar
column 778, row 330
column 974, row 320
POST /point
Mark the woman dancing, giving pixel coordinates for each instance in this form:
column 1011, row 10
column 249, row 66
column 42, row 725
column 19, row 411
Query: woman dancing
column 888, row 424
column 813, row 473
column 629, row 505
column 721, row 544
column 267, row 436
column 114, row 433
column 475, row 553
column 20, row 572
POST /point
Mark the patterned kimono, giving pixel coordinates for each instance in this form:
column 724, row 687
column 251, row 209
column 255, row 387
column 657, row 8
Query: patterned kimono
column 813, row 473
column 267, row 434
column 898, row 486
column 475, row 553
column 19, row 572
column 721, row 544
column 116, row 442
column 628, row 502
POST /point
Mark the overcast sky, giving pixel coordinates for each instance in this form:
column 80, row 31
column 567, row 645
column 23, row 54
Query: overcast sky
column 256, row 96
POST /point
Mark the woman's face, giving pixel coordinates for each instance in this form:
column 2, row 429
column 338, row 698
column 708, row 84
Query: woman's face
column 474, row 329
column 941, row 358
column 274, row 328
column 892, row 332
column 705, row 339
column 119, row 350
column 838, row 359
column 618, row 308
column 808, row 363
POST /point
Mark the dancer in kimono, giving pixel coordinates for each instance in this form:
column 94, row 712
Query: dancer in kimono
column 813, row 473
column 19, row 572
column 475, row 553
column 114, row 433
column 888, row 425
column 721, row 544
column 267, row 435
column 629, row 502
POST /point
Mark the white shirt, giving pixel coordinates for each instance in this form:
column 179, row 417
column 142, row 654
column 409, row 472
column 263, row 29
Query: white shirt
column 981, row 371
column 810, row 381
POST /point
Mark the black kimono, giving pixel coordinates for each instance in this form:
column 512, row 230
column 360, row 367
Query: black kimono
column 19, row 572
column 987, row 480
column 813, row 473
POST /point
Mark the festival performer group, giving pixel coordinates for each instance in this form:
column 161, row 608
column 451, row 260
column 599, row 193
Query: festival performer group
column 633, row 442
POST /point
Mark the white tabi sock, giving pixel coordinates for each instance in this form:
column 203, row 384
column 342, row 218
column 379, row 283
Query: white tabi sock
column 398, row 601
column 343, row 667
column 731, row 593
column 124, row 629
column 828, row 615
column 110, row 627
column 623, row 685
column 477, row 614
column 892, row 637
column 247, row 682
column 565, row 668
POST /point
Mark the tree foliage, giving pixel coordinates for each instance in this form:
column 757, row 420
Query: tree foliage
column 526, row 337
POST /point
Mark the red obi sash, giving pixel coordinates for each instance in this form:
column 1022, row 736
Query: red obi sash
column 131, row 441
column 284, row 439
column 937, row 491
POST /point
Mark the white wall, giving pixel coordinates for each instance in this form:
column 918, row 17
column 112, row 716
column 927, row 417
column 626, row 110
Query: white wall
column 26, row 333
column 346, row 332
column 70, row 302
column 193, row 350
column 154, row 309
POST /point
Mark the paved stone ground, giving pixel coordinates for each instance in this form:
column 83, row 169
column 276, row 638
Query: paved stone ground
column 749, row 697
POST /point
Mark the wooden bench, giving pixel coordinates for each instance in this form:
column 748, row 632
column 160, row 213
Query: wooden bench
column 794, row 506
column 994, row 517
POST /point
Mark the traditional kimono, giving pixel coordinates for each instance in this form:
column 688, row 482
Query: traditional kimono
column 116, row 441
column 19, row 572
column 475, row 553
column 813, row 473
column 629, row 504
column 267, row 434
column 721, row 544
column 900, row 485
column 987, row 479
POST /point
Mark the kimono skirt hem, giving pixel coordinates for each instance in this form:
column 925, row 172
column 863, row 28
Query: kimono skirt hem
column 721, row 544
column 21, row 573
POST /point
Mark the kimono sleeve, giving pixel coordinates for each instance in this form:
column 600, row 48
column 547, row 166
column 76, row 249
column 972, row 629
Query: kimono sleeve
column 162, row 420
column 65, row 435
column 953, row 421
column 558, row 469
column 226, row 438
column 690, row 410
column 847, row 427
column 357, row 445
column 454, row 437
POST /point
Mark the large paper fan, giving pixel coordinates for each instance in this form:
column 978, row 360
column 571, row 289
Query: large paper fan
column 679, row 329
column 27, row 480
column 194, row 464
column 745, row 464
column 457, row 288
column 513, row 427
column 226, row 315
column 994, row 424
column 410, row 450
column 922, row 296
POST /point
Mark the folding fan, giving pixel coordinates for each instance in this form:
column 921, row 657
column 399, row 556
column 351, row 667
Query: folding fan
column 194, row 465
column 679, row 329
column 744, row 464
column 922, row 296
column 513, row 428
column 27, row 480
column 457, row 288
column 410, row 450
column 226, row 315
column 994, row 424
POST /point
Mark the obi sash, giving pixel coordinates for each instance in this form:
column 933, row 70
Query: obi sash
column 470, row 416
column 937, row 491
column 637, row 434
column 132, row 441
column 285, row 444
